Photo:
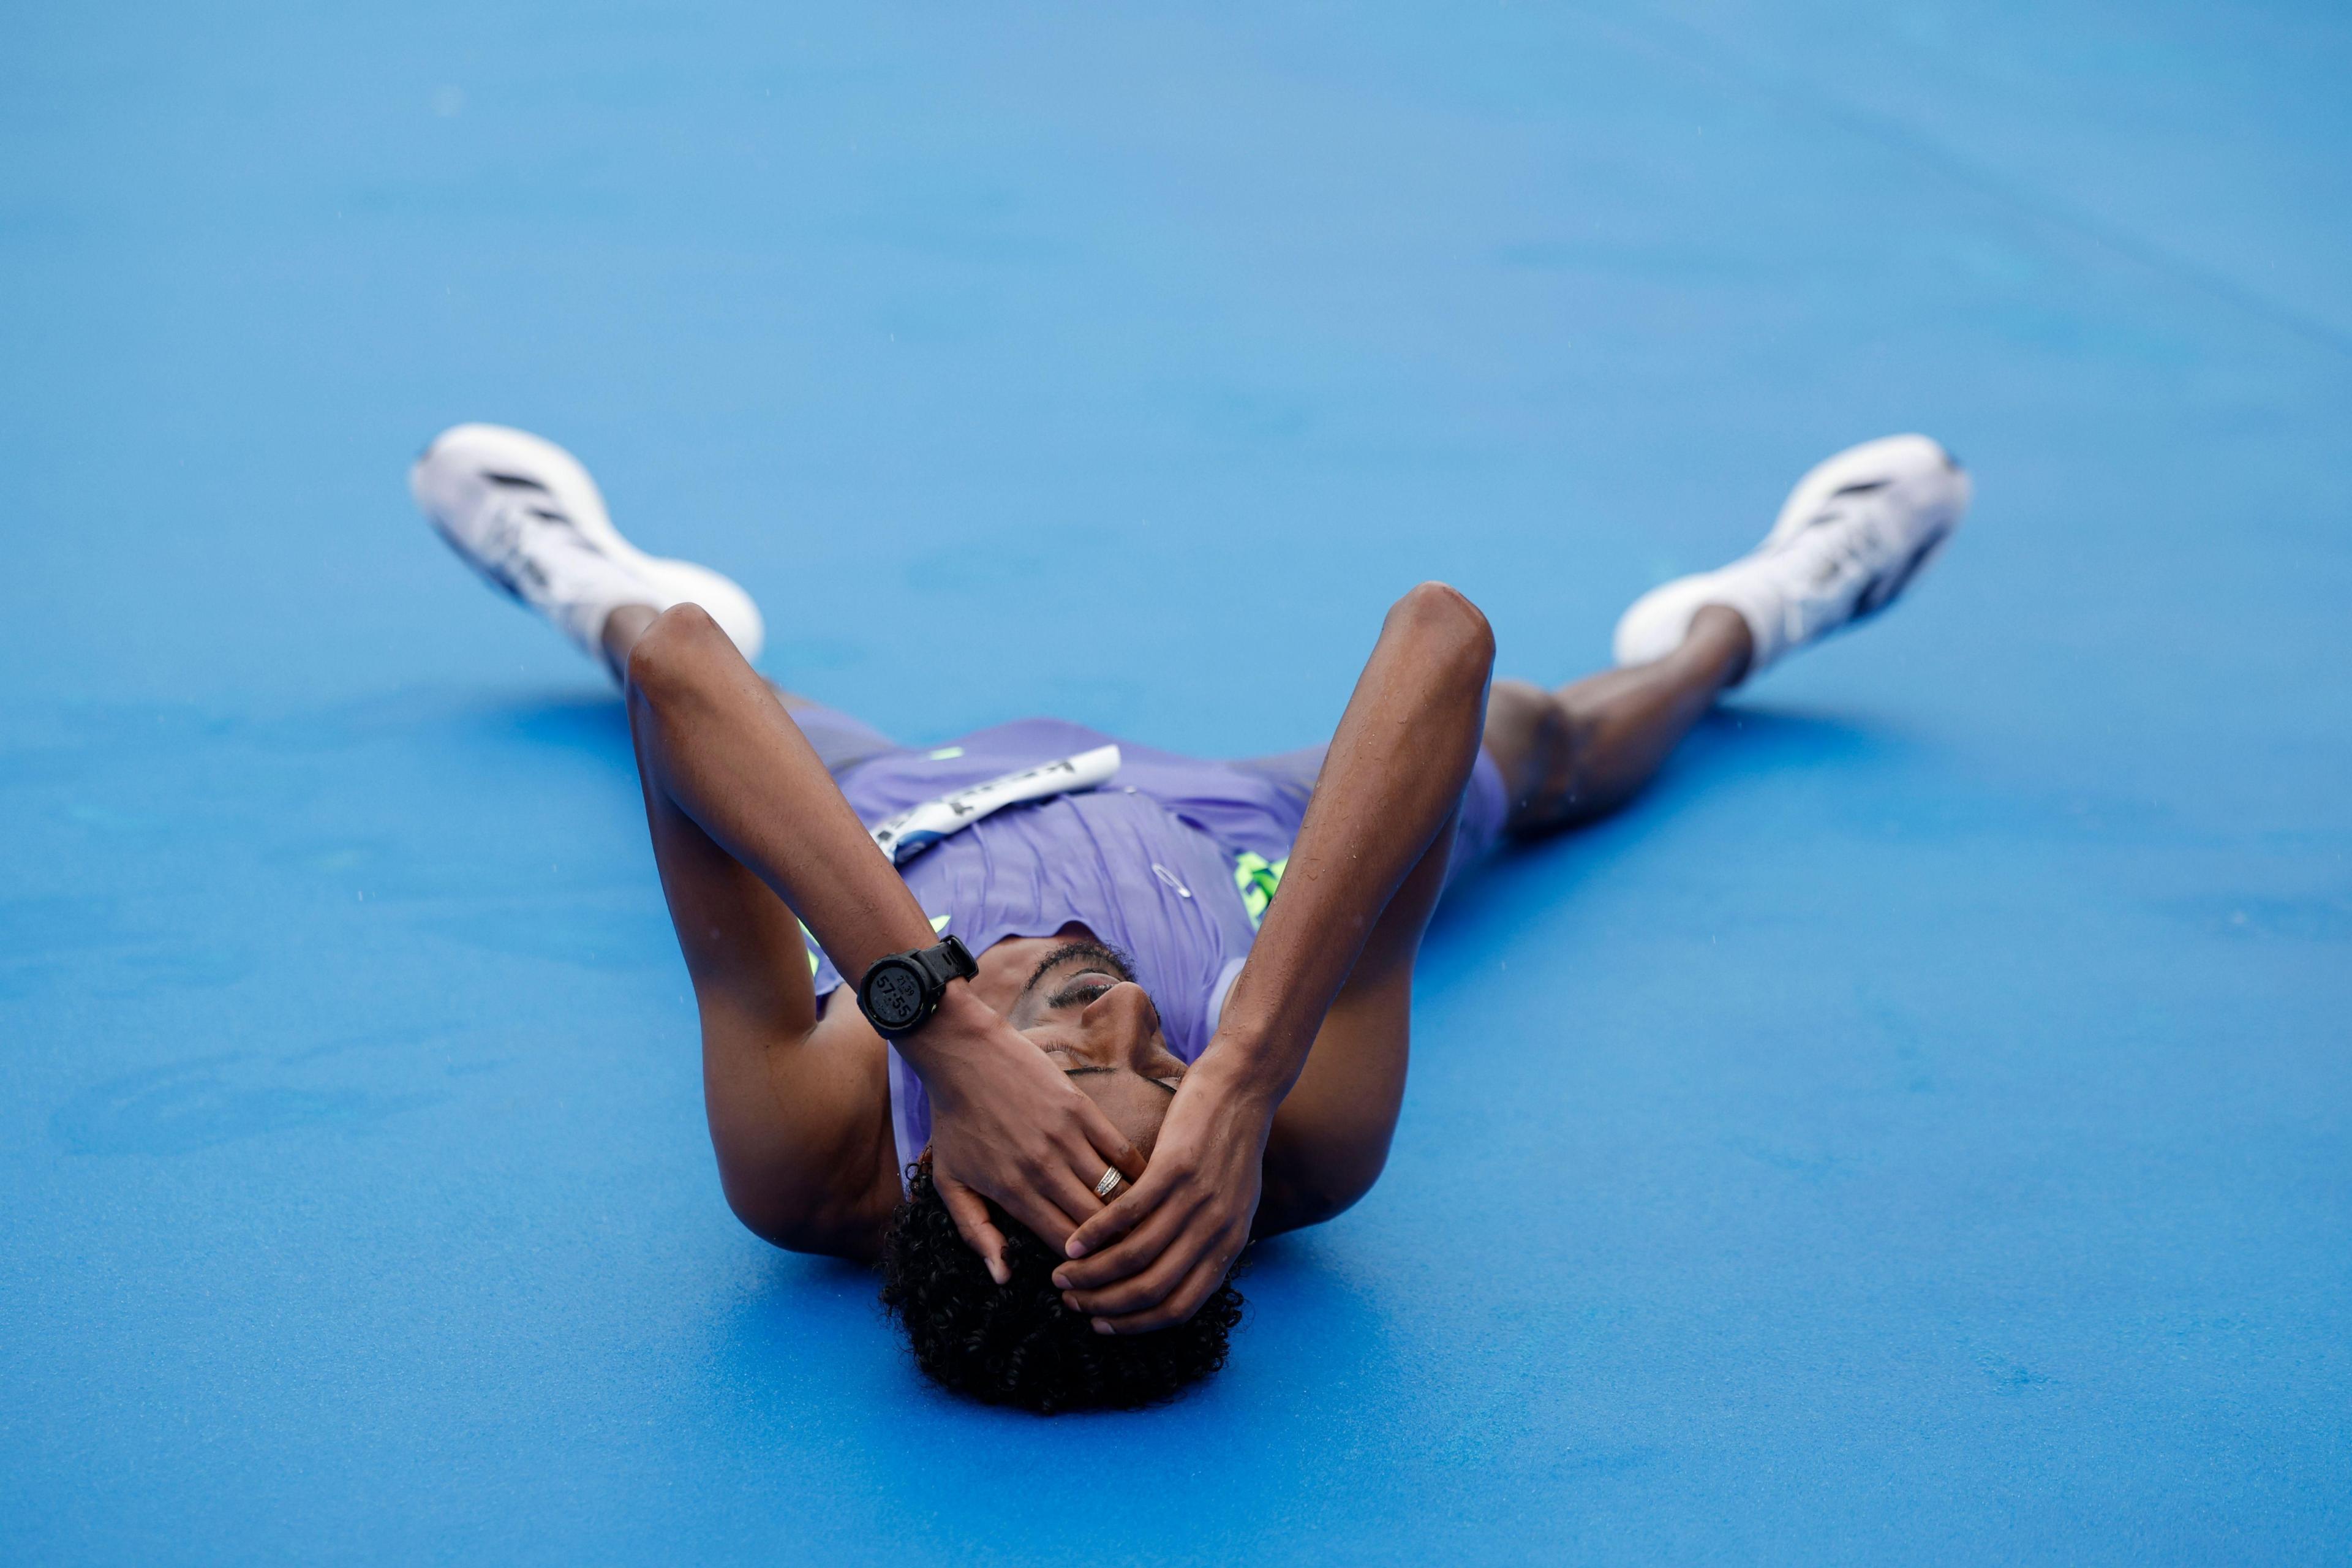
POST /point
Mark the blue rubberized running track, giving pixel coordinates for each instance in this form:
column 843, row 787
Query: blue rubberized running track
column 1934, row 1142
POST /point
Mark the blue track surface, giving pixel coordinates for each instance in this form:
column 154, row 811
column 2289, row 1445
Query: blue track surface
column 1937, row 1143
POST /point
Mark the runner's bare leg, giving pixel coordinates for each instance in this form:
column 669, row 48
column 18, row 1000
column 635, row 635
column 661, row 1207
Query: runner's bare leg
column 1578, row 752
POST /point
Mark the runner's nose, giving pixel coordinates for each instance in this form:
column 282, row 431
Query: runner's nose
column 1121, row 1025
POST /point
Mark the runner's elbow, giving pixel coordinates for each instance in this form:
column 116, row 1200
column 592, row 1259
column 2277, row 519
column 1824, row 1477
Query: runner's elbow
column 1445, row 615
column 818, row 1228
column 682, row 645
column 1324, row 1194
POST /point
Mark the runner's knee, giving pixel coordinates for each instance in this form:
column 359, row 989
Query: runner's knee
column 1530, row 737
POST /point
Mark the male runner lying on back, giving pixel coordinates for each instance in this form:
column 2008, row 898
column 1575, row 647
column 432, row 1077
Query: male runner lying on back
column 1075, row 1074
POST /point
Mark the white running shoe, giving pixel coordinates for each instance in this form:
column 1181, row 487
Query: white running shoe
column 525, row 514
column 1850, row 537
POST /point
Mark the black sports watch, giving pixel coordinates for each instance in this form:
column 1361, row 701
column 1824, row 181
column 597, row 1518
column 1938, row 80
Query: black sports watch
column 901, row 991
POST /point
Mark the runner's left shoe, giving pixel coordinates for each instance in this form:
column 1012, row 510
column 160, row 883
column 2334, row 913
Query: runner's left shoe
column 523, row 512
column 1849, row 540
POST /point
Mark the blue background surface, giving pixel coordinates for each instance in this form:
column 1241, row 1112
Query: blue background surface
column 1929, row 1137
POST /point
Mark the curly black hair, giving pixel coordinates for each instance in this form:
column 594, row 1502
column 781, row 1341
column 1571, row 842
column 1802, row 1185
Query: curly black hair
column 1015, row 1343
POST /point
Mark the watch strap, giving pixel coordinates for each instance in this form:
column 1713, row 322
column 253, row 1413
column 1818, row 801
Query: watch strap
column 947, row 960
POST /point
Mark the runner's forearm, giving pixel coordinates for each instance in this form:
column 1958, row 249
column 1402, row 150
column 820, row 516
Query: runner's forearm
column 1392, row 779
column 736, row 764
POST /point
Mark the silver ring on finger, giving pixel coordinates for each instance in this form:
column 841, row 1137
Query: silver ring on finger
column 1109, row 1183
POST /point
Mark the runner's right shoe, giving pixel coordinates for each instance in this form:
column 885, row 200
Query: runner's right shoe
column 1850, row 539
column 522, row 511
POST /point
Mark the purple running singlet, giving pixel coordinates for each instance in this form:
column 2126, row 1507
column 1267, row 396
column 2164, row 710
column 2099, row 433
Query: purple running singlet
column 1172, row 862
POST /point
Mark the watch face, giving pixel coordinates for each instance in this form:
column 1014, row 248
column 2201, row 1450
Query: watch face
column 894, row 996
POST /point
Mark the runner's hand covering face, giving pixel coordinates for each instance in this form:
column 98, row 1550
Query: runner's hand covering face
column 1007, row 1125
column 1163, row 1247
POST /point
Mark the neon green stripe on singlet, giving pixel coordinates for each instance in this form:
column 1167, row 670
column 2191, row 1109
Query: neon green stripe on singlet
column 1257, row 878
